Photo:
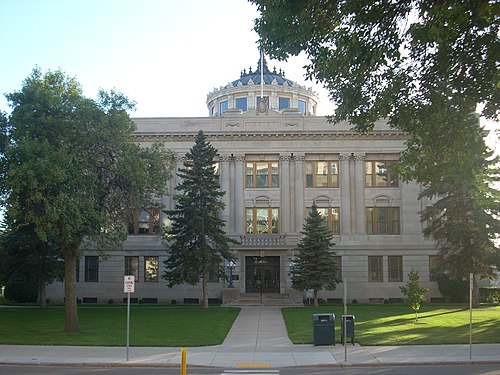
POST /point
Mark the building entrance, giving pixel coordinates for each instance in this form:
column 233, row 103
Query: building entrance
column 262, row 274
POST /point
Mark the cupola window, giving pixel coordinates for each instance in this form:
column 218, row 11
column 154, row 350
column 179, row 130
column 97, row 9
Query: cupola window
column 302, row 107
column 241, row 103
column 223, row 107
column 284, row 103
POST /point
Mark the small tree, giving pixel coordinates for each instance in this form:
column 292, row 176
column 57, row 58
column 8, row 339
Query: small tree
column 315, row 267
column 196, row 241
column 413, row 292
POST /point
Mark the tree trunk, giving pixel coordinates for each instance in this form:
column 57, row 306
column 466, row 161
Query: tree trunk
column 316, row 304
column 205, row 287
column 42, row 296
column 71, row 311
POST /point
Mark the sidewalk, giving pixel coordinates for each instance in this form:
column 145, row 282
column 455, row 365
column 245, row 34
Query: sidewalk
column 258, row 338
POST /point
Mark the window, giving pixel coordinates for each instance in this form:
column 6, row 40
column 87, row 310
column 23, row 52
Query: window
column 395, row 267
column 375, row 269
column 302, row 107
column 322, row 174
column 338, row 260
column 222, row 107
column 91, row 269
column 144, row 222
column 151, row 269
column 331, row 216
column 132, row 267
column 283, row 103
column 77, row 269
column 382, row 220
column 262, row 220
column 262, row 174
column 378, row 174
column 241, row 103
column 433, row 267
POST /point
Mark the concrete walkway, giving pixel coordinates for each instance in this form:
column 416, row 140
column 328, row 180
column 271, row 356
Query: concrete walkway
column 258, row 339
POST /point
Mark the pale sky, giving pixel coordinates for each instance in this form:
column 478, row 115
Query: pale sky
column 166, row 55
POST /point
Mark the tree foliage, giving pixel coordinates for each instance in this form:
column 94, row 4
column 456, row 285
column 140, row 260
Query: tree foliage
column 72, row 171
column 314, row 265
column 426, row 67
column 413, row 292
column 196, row 241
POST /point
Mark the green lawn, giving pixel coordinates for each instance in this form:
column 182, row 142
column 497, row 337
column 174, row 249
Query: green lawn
column 395, row 324
column 106, row 325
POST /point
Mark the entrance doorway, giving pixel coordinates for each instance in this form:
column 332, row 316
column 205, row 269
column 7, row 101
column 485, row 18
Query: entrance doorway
column 262, row 274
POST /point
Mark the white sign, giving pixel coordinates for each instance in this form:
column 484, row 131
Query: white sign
column 471, row 276
column 129, row 284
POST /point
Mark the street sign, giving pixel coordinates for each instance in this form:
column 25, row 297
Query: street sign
column 129, row 284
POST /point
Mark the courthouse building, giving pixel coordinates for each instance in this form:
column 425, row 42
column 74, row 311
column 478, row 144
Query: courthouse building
column 276, row 159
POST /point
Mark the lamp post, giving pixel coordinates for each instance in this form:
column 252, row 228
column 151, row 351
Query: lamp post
column 231, row 266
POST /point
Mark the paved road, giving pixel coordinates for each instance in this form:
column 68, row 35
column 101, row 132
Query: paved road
column 391, row 370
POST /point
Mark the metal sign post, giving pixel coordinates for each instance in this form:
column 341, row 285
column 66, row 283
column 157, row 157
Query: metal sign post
column 471, row 287
column 128, row 287
column 345, row 319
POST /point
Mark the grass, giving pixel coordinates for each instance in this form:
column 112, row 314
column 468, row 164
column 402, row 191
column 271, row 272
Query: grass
column 181, row 325
column 395, row 324
column 106, row 326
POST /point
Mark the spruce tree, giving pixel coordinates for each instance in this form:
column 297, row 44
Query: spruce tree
column 315, row 266
column 196, row 241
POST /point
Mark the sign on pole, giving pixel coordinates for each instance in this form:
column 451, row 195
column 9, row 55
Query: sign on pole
column 129, row 284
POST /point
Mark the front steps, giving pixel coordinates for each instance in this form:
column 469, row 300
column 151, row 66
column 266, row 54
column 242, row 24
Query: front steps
column 266, row 299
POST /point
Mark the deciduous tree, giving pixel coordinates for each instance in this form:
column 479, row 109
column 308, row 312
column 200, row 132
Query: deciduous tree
column 413, row 292
column 72, row 170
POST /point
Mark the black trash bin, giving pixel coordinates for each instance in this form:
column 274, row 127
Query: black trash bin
column 349, row 327
column 324, row 329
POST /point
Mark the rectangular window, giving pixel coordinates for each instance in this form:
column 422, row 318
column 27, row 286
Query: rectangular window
column 338, row 260
column 302, row 107
column 151, row 269
column 241, row 103
column 262, row 174
column 322, row 174
column 395, row 267
column 283, row 103
column 433, row 267
column 132, row 267
column 378, row 174
column 382, row 220
column 223, row 107
column 331, row 216
column 144, row 222
column 263, row 220
column 77, row 270
column 91, row 269
column 375, row 270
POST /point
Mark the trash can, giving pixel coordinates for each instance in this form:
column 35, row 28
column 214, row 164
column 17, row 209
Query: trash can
column 349, row 327
column 324, row 329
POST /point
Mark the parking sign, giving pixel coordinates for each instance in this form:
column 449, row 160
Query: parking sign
column 129, row 284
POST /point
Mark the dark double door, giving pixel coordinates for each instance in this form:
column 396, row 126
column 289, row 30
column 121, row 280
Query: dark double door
column 262, row 274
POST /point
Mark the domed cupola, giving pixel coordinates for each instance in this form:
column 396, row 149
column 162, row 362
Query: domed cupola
column 244, row 94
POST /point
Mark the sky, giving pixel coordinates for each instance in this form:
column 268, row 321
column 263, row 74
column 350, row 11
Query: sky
column 166, row 55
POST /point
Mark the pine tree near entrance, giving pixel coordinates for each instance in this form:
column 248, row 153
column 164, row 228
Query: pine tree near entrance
column 196, row 241
column 315, row 266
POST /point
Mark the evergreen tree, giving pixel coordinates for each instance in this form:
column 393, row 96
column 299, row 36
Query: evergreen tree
column 196, row 241
column 413, row 292
column 315, row 266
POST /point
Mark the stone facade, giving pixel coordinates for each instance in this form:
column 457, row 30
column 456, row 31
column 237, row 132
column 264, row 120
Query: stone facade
column 273, row 165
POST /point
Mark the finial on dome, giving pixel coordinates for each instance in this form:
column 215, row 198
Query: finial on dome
column 250, row 70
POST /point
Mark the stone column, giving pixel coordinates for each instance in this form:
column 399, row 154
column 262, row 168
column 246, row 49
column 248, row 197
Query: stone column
column 285, row 214
column 345, row 195
column 238, row 196
column 359, row 184
column 299, row 192
column 225, row 185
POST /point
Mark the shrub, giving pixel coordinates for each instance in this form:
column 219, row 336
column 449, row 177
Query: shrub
column 21, row 289
column 452, row 288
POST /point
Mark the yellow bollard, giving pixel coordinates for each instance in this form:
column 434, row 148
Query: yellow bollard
column 183, row 361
